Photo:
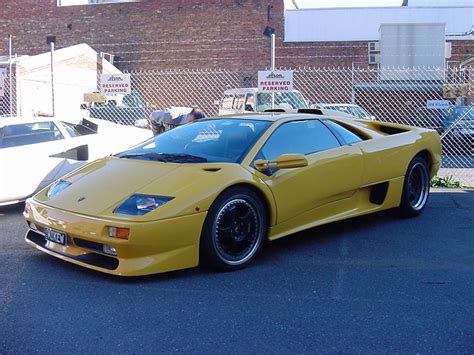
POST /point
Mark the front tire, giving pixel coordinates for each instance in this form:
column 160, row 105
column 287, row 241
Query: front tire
column 234, row 230
column 416, row 188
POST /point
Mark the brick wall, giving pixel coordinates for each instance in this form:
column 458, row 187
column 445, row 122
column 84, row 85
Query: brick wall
column 153, row 34
column 176, row 34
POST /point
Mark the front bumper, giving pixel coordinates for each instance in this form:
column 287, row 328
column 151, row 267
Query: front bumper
column 153, row 247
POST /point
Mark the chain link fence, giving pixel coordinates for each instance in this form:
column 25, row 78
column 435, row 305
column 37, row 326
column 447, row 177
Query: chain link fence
column 399, row 95
column 8, row 94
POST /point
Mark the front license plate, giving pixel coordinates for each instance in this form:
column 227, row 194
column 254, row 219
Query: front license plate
column 56, row 236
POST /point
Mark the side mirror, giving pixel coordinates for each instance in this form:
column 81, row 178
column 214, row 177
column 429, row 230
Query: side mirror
column 80, row 153
column 83, row 107
column 284, row 161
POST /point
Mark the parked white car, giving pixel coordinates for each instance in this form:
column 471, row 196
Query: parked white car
column 245, row 100
column 36, row 151
column 350, row 109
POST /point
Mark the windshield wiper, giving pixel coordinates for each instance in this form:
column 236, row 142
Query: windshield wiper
column 165, row 157
column 183, row 158
column 144, row 156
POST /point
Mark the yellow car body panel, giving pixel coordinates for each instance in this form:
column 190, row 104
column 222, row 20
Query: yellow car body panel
column 336, row 184
column 156, row 246
column 193, row 186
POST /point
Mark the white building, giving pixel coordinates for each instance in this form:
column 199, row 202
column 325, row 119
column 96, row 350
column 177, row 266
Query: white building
column 75, row 73
column 363, row 24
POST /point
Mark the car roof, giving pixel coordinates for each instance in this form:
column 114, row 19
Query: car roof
column 348, row 105
column 13, row 120
column 274, row 116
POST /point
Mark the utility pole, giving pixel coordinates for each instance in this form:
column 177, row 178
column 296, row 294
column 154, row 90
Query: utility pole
column 50, row 40
column 52, row 76
column 10, row 73
column 272, row 63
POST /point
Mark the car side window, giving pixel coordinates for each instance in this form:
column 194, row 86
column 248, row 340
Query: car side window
column 71, row 129
column 227, row 102
column 299, row 137
column 347, row 136
column 250, row 102
column 238, row 102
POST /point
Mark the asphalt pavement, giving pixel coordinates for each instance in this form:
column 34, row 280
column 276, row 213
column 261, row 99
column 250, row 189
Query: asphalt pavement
column 371, row 284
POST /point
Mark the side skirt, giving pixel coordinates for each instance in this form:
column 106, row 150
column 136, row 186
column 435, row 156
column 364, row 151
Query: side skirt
column 367, row 199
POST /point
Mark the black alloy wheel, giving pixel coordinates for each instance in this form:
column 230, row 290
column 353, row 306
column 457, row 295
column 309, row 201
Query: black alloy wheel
column 234, row 231
column 416, row 188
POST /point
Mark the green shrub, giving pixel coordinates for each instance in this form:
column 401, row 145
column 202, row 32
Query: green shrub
column 447, row 181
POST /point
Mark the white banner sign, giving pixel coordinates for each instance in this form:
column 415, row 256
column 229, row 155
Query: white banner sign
column 115, row 84
column 3, row 75
column 275, row 81
column 437, row 103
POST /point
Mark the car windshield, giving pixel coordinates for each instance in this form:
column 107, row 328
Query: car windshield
column 283, row 100
column 359, row 112
column 214, row 140
column 28, row 133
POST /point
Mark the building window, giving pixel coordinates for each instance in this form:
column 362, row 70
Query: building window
column 93, row 2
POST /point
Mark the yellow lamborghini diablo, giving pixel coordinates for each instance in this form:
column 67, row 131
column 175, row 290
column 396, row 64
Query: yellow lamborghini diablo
column 212, row 191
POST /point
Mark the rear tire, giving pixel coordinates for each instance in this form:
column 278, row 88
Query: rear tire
column 234, row 230
column 416, row 188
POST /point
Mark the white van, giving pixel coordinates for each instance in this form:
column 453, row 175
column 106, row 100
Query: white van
column 245, row 100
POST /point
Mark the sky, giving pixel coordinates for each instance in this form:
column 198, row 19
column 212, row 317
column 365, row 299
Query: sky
column 343, row 3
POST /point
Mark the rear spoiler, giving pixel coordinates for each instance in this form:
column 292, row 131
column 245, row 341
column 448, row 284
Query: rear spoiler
column 86, row 127
column 313, row 111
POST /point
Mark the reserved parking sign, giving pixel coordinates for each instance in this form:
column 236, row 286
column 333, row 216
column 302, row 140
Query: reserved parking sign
column 115, row 84
column 275, row 81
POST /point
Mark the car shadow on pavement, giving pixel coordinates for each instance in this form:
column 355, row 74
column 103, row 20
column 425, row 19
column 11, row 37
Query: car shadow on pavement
column 295, row 243
column 325, row 233
column 272, row 249
column 319, row 240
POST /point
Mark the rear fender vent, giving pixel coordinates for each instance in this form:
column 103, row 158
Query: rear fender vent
column 389, row 129
column 212, row 170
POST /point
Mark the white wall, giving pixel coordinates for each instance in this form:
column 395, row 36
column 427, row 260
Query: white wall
column 451, row 3
column 362, row 24
column 75, row 73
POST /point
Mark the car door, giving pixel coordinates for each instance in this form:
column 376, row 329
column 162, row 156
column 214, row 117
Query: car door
column 334, row 171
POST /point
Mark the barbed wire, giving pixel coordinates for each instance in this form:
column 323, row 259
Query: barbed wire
column 200, row 59
column 454, row 70
column 243, row 49
column 166, row 42
column 286, row 45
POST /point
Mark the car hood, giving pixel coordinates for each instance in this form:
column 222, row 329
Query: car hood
column 98, row 188
column 26, row 169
